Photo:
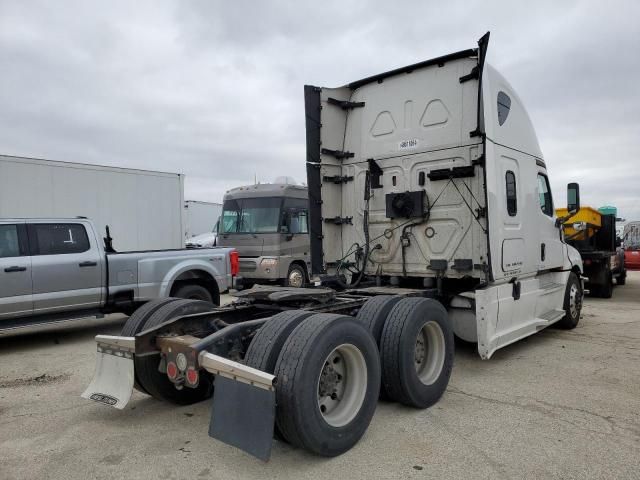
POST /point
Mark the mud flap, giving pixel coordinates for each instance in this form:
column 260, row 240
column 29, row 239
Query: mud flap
column 112, row 382
column 243, row 415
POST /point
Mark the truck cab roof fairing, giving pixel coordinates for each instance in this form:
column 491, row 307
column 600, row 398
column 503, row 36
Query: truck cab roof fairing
column 516, row 131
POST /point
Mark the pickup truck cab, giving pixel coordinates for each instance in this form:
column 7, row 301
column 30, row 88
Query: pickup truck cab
column 59, row 269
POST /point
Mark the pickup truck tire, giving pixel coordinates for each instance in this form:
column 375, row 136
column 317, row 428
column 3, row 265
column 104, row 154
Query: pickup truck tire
column 572, row 303
column 155, row 382
column 136, row 322
column 195, row 292
column 327, row 353
column 622, row 278
column 374, row 313
column 416, row 351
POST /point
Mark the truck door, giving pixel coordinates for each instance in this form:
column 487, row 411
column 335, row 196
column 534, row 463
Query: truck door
column 67, row 267
column 551, row 245
column 15, row 271
column 296, row 239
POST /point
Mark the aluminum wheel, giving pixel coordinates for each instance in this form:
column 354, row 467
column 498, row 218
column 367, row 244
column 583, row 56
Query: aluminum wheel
column 295, row 278
column 342, row 385
column 429, row 352
column 574, row 300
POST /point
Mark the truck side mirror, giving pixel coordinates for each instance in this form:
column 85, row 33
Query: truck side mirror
column 573, row 198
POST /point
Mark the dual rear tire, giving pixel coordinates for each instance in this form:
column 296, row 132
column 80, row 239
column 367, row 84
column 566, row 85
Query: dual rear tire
column 328, row 377
column 329, row 371
column 148, row 378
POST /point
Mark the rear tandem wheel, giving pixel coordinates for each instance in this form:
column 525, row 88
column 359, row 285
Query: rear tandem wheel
column 328, row 379
column 156, row 383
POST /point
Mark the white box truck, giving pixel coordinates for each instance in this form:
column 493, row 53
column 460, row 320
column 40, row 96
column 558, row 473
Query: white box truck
column 143, row 209
column 200, row 218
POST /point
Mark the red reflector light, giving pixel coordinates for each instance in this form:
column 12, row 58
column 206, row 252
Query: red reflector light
column 172, row 370
column 192, row 376
column 234, row 258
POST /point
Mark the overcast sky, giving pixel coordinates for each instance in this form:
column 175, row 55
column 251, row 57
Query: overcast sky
column 213, row 89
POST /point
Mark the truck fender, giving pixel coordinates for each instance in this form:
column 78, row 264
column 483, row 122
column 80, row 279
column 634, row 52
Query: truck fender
column 187, row 265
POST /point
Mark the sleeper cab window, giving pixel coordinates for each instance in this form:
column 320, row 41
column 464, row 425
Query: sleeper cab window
column 544, row 193
column 504, row 105
column 512, row 197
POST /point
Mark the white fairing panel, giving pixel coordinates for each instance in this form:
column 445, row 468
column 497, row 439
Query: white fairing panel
column 411, row 124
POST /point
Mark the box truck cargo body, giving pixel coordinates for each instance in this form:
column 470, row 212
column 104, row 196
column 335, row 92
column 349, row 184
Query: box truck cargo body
column 200, row 217
column 144, row 209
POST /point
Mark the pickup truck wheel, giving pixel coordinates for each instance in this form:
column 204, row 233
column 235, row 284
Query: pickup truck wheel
column 155, row 382
column 622, row 278
column 135, row 323
column 195, row 292
column 416, row 351
column 328, row 379
column 572, row 303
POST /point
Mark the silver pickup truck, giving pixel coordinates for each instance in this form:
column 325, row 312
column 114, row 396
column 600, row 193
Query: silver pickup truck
column 60, row 269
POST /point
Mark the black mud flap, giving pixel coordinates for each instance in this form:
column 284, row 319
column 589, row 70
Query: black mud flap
column 243, row 416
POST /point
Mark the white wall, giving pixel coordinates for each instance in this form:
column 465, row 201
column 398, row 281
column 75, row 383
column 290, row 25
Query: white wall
column 143, row 209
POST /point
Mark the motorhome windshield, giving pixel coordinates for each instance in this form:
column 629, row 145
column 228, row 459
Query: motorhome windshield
column 251, row 215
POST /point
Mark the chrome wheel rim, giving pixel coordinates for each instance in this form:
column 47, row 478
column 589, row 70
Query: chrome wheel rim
column 296, row 278
column 429, row 352
column 342, row 385
column 574, row 300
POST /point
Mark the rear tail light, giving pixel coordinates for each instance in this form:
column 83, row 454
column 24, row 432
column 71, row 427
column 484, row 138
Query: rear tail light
column 234, row 258
column 172, row 370
column 192, row 376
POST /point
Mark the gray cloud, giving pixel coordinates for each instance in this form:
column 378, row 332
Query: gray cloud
column 214, row 89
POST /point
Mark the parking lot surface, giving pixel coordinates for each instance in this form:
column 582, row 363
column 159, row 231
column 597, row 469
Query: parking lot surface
column 560, row 404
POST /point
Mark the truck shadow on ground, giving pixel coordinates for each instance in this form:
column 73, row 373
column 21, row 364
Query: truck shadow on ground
column 77, row 332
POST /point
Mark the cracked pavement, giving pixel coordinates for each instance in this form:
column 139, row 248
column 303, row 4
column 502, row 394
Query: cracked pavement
column 559, row 404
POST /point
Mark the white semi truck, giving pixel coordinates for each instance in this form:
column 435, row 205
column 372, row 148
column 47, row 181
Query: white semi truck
column 430, row 205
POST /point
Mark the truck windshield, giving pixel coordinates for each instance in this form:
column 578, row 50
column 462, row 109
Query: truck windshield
column 251, row 215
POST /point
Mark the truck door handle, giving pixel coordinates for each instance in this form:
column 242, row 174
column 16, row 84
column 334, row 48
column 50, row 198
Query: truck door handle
column 88, row 264
column 542, row 252
column 15, row 269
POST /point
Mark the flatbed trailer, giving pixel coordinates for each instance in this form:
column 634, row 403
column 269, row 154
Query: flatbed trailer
column 593, row 234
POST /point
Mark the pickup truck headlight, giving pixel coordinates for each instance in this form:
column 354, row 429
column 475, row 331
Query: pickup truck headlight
column 268, row 262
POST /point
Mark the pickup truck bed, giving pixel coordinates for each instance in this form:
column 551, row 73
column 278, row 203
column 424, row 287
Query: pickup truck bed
column 58, row 269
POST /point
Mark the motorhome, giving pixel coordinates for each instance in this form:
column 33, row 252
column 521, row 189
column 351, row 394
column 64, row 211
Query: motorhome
column 268, row 224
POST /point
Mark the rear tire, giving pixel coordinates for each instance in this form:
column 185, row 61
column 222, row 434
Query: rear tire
column 136, row 322
column 572, row 303
column 374, row 313
column 607, row 289
column 196, row 292
column 308, row 376
column 156, row 383
column 265, row 347
column 622, row 278
column 416, row 351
